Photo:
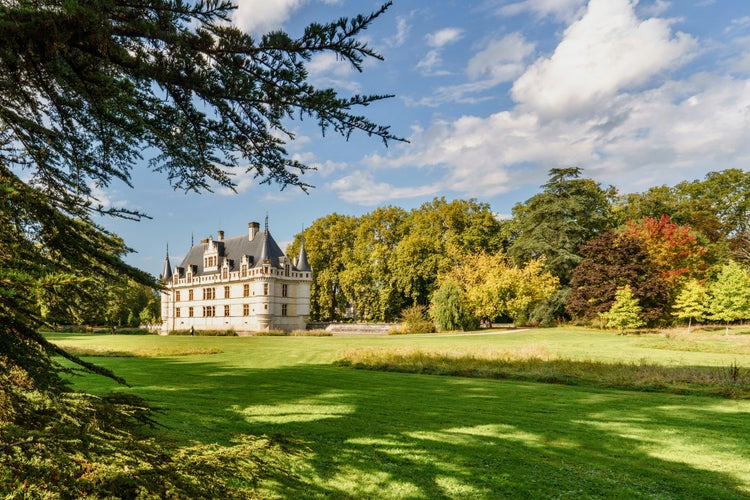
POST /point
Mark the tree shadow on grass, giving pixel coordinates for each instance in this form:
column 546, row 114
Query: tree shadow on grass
column 392, row 435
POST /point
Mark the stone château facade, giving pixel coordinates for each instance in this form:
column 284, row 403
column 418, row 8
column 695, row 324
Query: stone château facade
column 245, row 283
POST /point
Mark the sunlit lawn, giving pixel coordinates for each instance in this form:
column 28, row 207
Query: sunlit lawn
column 379, row 434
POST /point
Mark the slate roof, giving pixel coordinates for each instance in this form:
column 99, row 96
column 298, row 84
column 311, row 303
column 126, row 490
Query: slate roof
column 166, row 275
column 302, row 263
column 261, row 247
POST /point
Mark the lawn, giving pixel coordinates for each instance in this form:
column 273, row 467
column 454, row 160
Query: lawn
column 356, row 433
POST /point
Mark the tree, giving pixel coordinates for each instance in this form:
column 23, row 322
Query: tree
column 554, row 223
column 611, row 261
column 691, row 303
column 436, row 236
column 494, row 288
column 448, row 310
column 730, row 294
column 716, row 207
column 673, row 249
column 625, row 312
column 327, row 242
column 85, row 88
column 368, row 278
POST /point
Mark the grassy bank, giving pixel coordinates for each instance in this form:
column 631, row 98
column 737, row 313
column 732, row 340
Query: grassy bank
column 356, row 433
column 537, row 365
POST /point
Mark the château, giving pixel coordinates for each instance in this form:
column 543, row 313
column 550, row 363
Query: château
column 244, row 283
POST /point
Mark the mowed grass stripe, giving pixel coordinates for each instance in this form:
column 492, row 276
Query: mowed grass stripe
column 394, row 435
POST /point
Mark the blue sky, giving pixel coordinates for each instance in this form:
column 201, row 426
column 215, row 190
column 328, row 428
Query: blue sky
column 491, row 95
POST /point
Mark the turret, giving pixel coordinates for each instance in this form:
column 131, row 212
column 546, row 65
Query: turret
column 166, row 275
column 302, row 263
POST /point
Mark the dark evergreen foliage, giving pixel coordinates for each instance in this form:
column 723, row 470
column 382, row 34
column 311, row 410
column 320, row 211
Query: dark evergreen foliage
column 87, row 88
column 554, row 223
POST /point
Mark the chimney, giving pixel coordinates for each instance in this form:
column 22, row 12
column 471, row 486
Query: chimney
column 253, row 228
column 220, row 236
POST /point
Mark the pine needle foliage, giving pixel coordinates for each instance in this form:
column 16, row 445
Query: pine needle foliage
column 86, row 88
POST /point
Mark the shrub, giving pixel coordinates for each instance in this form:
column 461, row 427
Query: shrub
column 447, row 309
column 414, row 320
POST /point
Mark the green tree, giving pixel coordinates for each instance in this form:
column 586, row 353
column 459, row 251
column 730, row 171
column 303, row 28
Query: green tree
column 691, row 303
column 554, row 223
column 730, row 294
column 368, row 279
column 436, row 236
column 327, row 242
column 87, row 87
column 625, row 313
column 716, row 207
column 448, row 310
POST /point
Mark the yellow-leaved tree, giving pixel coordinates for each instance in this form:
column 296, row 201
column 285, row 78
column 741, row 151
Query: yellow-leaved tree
column 494, row 288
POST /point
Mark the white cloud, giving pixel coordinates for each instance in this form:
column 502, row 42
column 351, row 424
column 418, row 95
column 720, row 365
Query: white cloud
column 402, row 32
column 740, row 23
column 687, row 126
column 560, row 10
column 327, row 70
column 361, row 188
column 328, row 64
column 101, row 196
column 501, row 60
column 443, row 37
column 261, row 16
column 431, row 62
column 609, row 49
column 657, row 8
column 498, row 61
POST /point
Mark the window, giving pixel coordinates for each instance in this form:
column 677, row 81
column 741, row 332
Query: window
column 243, row 272
column 245, row 309
column 283, row 309
column 265, row 288
column 284, row 290
column 226, row 292
column 177, row 296
column 190, row 311
column 177, row 313
column 226, row 310
column 190, row 294
column 209, row 293
column 209, row 311
column 245, row 290
column 225, row 273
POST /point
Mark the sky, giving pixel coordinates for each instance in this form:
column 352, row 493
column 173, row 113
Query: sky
column 490, row 94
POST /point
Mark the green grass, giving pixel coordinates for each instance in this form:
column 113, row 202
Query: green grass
column 538, row 366
column 397, row 435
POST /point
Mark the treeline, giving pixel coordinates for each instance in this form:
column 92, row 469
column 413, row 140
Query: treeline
column 96, row 300
column 681, row 252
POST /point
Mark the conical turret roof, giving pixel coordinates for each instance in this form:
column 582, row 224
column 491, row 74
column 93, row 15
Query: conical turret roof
column 166, row 275
column 302, row 263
